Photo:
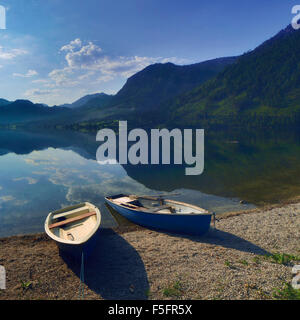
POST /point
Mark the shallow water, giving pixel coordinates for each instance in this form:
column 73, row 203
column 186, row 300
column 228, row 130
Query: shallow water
column 41, row 172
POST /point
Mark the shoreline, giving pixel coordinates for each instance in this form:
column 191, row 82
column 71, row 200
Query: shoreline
column 225, row 215
column 136, row 263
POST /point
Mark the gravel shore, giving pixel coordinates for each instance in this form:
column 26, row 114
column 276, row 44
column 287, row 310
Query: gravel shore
column 134, row 263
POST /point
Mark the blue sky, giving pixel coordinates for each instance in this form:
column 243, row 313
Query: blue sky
column 56, row 51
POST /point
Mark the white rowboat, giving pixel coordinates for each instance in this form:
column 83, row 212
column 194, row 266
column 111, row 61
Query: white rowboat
column 74, row 228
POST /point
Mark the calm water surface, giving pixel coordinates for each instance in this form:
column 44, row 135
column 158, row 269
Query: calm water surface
column 41, row 172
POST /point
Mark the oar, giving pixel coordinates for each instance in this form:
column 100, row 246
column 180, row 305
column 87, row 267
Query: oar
column 156, row 197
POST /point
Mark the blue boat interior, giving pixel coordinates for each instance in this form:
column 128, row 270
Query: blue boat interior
column 155, row 205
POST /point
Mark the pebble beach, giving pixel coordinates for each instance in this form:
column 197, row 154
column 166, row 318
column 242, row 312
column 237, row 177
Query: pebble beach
column 239, row 260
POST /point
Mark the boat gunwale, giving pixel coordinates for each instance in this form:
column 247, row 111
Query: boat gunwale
column 206, row 213
column 69, row 242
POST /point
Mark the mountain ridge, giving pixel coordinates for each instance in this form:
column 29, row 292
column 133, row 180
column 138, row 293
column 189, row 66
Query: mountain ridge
column 262, row 86
column 158, row 82
column 4, row 102
column 87, row 99
column 22, row 111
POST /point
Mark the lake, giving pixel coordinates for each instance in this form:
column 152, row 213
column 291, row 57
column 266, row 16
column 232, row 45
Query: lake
column 44, row 171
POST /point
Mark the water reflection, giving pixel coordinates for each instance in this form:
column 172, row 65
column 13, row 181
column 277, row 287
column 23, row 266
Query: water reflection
column 42, row 171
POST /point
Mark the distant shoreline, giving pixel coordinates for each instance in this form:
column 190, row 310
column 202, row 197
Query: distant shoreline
column 124, row 229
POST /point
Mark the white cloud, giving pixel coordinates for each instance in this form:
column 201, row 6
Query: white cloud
column 29, row 74
column 105, row 78
column 72, row 45
column 88, row 62
column 37, row 92
column 40, row 81
column 84, row 57
column 11, row 54
column 91, row 57
column 128, row 66
column 62, row 77
column 87, row 66
column 28, row 179
column 86, row 75
column 6, row 198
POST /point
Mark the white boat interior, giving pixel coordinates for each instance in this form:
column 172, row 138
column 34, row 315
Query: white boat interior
column 156, row 205
column 73, row 224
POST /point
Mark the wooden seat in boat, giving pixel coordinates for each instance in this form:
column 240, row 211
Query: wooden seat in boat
column 123, row 200
column 84, row 209
column 130, row 205
column 156, row 209
column 67, row 221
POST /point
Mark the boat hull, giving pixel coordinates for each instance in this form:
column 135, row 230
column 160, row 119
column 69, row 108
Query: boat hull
column 197, row 225
column 86, row 234
column 76, row 250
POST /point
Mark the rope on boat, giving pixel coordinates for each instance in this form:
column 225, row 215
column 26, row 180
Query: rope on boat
column 81, row 286
column 215, row 219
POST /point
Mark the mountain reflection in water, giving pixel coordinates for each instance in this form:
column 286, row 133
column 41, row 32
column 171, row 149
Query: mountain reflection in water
column 42, row 171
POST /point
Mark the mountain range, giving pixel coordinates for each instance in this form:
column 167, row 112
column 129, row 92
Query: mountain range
column 142, row 93
column 4, row 102
column 99, row 99
column 158, row 83
column 24, row 111
column 262, row 86
column 258, row 88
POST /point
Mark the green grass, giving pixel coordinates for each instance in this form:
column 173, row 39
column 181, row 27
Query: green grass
column 282, row 258
column 286, row 293
column 228, row 264
column 256, row 260
column 174, row 290
column 26, row 285
column 244, row 262
column 148, row 293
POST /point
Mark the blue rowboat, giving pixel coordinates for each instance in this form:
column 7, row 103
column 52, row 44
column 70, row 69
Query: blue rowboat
column 74, row 228
column 162, row 214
